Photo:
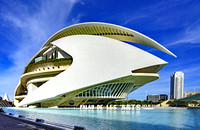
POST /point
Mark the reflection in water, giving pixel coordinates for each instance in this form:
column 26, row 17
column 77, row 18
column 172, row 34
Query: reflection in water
column 117, row 119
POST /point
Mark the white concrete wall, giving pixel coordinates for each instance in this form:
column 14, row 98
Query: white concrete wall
column 96, row 59
column 31, row 87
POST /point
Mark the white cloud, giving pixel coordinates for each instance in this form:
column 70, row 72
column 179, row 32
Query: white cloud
column 31, row 26
column 152, row 13
column 191, row 69
column 192, row 89
column 189, row 35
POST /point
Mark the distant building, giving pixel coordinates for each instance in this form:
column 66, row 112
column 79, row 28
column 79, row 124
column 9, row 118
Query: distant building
column 157, row 98
column 6, row 97
column 176, row 88
column 188, row 94
column 0, row 98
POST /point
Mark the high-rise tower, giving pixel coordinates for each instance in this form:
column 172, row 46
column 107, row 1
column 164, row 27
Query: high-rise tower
column 176, row 89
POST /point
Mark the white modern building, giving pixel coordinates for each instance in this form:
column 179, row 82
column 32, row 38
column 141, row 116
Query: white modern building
column 88, row 63
column 176, row 88
column 6, row 97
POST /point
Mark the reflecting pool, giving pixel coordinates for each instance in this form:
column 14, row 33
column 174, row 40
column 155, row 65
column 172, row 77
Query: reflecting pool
column 116, row 119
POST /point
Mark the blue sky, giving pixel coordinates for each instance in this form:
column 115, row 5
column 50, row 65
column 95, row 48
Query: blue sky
column 26, row 25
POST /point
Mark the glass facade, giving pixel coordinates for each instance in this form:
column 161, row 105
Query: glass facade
column 118, row 90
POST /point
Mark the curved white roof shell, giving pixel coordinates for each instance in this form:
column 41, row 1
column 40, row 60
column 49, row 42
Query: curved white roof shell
column 108, row 30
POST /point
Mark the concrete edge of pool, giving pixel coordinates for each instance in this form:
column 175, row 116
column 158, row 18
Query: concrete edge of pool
column 11, row 121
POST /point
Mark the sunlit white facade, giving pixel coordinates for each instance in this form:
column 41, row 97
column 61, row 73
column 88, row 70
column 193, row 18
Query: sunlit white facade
column 88, row 63
column 176, row 88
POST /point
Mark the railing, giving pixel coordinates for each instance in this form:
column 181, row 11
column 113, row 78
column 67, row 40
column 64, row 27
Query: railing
column 49, row 61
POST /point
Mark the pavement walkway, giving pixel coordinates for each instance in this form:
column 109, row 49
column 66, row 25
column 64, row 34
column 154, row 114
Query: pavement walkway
column 10, row 123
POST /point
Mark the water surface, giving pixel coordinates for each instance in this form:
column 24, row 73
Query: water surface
column 116, row 119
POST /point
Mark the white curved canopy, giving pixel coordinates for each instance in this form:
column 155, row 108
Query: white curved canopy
column 108, row 30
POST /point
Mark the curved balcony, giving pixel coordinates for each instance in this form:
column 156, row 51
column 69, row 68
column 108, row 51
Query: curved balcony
column 47, row 68
column 41, row 71
column 48, row 65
